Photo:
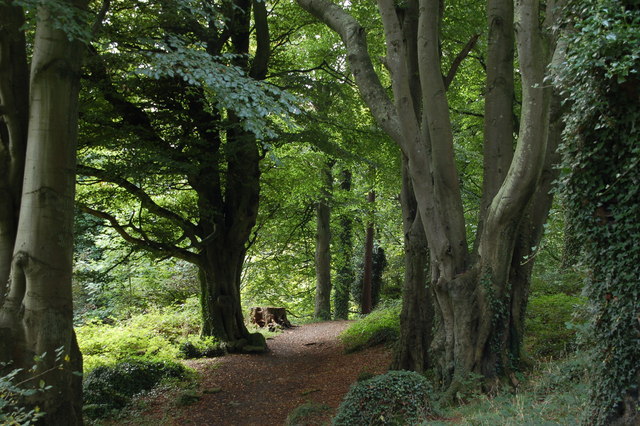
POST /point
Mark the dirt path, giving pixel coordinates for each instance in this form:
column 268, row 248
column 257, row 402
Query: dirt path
column 305, row 364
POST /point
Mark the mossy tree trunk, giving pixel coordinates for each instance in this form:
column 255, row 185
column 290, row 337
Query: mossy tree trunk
column 14, row 118
column 416, row 318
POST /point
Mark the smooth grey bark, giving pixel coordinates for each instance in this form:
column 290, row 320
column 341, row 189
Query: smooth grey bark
column 498, row 114
column 470, row 285
column 417, row 316
column 322, row 308
column 345, row 275
column 37, row 314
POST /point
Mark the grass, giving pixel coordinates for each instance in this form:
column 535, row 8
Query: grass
column 554, row 394
column 382, row 326
column 307, row 414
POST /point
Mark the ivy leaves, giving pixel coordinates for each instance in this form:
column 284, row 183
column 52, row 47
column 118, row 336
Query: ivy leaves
column 601, row 185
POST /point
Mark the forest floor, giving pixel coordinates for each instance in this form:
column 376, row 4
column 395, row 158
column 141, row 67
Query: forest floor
column 305, row 365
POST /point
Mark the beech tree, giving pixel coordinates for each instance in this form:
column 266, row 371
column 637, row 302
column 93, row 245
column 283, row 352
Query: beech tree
column 38, row 125
column 179, row 135
column 480, row 288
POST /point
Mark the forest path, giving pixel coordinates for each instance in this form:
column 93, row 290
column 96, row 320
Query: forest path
column 304, row 364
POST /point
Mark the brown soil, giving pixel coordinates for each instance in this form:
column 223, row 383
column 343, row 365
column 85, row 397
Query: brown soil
column 304, row 364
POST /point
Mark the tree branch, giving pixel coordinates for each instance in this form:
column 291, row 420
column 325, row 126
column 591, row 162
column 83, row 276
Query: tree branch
column 152, row 246
column 189, row 229
column 260, row 63
column 458, row 60
column 353, row 37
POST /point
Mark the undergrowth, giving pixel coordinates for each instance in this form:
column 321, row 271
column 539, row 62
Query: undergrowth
column 554, row 394
column 157, row 335
column 382, row 326
column 108, row 389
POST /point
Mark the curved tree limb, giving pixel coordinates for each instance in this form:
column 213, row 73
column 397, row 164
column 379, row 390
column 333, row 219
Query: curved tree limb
column 189, row 229
column 354, row 38
column 153, row 246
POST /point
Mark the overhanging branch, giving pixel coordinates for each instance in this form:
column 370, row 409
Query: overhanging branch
column 152, row 246
column 146, row 201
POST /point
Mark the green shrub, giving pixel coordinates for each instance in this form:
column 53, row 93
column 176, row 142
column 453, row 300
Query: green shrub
column 397, row 397
column 380, row 326
column 173, row 323
column 547, row 334
column 202, row 347
column 103, row 344
column 155, row 336
column 108, row 388
column 12, row 393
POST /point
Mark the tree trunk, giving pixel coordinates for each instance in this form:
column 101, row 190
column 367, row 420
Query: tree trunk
column 345, row 275
column 416, row 318
column 14, row 117
column 37, row 315
column 222, row 317
column 322, row 310
column 269, row 317
column 472, row 289
column 378, row 265
column 368, row 262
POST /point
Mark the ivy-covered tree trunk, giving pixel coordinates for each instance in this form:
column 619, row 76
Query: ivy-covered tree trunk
column 37, row 314
column 601, row 186
column 322, row 308
column 345, row 275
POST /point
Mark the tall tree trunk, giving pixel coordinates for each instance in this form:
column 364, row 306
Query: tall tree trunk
column 472, row 288
column 345, row 275
column 14, row 117
column 37, row 315
column 416, row 318
column 232, row 230
column 367, row 302
column 498, row 121
column 322, row 308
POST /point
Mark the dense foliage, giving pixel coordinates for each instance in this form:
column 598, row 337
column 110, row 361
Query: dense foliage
column 397, row 397
column 111, row 387
column 152, row 336
column 601, row 184
column 547, row 318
